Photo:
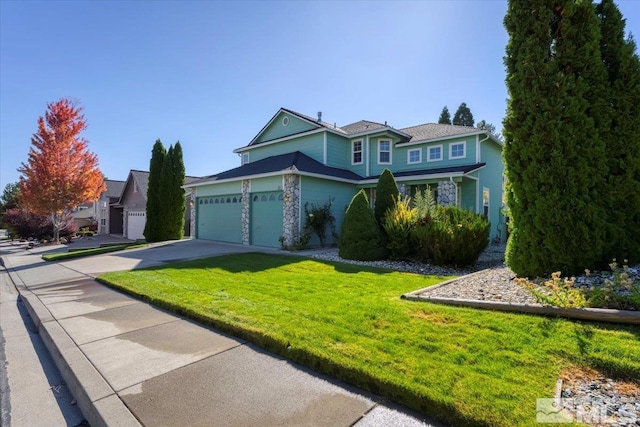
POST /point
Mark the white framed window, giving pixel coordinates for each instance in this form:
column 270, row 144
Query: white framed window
column 435, row 153
column 245, row 158
column 414, row 156
column 384, row 152
column 356, row 152
column 458, row 150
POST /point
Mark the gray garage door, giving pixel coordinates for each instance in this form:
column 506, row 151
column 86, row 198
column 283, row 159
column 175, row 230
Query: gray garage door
column 220, row 218
column 266, row 218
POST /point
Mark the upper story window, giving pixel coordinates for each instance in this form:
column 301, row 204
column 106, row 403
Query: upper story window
column 245, row 158
column 356, row 152
column 384, row 151
column 457, row 150
column 435, row 153
column 414, row 156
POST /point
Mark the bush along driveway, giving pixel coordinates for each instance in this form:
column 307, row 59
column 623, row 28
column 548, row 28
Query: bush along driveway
column 461, row 365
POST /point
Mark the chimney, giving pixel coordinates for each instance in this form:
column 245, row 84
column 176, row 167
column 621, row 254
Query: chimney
column 319, row 116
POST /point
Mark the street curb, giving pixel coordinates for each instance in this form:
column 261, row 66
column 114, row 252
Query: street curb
column 97, row 400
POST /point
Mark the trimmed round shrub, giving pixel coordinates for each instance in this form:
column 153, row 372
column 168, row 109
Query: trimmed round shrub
column 456, row 237
column 360, row 237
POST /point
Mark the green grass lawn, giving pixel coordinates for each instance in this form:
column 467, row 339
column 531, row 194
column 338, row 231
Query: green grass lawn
column 461, row 365
column 59, row 256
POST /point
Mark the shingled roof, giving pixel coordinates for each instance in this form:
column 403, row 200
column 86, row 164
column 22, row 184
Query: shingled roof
column 284, row 162
column 114, row 188
column 435, row 131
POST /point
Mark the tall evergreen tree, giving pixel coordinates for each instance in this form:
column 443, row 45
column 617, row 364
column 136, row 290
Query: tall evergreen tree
column 155, row 193
column 554, row 154
column 167, row 224
column 177, row 203
column 463, row 116
column 445, row 116
column 622, row 187
column 386, row 195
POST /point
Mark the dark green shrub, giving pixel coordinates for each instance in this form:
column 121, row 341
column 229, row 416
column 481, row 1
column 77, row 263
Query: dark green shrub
column 457, row 237
column 386, row 195
column 398, row 223
column 361, row 238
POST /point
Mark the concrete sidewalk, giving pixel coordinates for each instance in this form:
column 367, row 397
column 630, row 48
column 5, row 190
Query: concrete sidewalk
column 129, row 363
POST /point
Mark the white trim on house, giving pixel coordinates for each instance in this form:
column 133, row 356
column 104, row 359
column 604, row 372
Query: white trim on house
column 380, row 141
column 373, row 132
column 445, row 138
column 367, row 161
column 441, row 147
column 413, row 150
column 430, row 176
column 284, row 138
column 324, row 149
column 293, row 171
column 464, row 150
column 353, row 152
column 242, row 158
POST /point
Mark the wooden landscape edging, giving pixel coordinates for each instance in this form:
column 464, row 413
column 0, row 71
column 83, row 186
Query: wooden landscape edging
column 593, row 314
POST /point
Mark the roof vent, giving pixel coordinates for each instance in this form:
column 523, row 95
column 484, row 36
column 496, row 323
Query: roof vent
column 319, row 116
column 385, row 122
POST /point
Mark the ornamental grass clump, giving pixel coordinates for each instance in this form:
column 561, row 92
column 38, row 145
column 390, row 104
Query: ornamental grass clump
column 398, row 224
column 556, row 292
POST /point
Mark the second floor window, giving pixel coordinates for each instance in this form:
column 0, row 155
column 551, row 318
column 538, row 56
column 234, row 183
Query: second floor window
column 356, row 156
column 384, row 152
column 435, row 153
column 456, row 151
column 245, row 158
column 414, row 156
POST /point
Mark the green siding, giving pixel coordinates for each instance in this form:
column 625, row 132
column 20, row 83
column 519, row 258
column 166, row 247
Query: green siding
column 218, row 189
column 271, row 183
column 374, row 167
column 266, row 218
column 339, row 152
column 219, row 218
column 491, row 177
column 468, row 195
column 318, row 191
column 311, row 145
column 277, row 130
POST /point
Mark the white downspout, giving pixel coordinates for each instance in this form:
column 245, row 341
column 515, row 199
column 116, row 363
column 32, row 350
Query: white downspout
column 366, row 165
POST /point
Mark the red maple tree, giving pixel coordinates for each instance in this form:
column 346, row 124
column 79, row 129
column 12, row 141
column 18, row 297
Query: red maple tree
column 61, row 172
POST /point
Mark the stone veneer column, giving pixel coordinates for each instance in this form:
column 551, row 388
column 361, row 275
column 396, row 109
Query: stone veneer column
column 246, row 201
column 192, row 214
column 447, row 192
column 291, row 210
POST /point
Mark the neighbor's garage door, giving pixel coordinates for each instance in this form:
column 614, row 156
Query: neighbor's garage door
column 220, row 218
column 266, row 218
column 135, row 225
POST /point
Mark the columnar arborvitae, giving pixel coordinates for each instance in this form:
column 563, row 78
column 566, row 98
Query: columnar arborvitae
column 177, row 202
column 622, row 187
column 154, row 193
column 445, row 116
column 386, row 195
column 554, row 153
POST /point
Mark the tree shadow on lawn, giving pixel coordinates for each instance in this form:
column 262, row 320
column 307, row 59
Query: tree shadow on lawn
column 597, row 354
column 254, row 262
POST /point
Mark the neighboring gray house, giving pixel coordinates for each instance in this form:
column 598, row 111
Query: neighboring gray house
column 133, row 205
column 109, row 219
column 99, row 213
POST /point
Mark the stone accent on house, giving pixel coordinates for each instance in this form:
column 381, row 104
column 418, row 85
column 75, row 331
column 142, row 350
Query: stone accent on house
column 246, row 218
column 447, row 193
column 192, row 214
column 291, row 210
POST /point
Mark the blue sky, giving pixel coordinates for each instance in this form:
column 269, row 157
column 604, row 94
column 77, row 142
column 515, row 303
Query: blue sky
column 211, row 74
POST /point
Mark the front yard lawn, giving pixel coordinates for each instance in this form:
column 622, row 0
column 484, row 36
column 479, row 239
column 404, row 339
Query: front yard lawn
column 461, row 365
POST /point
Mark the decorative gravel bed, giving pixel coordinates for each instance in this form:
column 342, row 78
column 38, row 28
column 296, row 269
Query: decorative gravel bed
column 588, row 396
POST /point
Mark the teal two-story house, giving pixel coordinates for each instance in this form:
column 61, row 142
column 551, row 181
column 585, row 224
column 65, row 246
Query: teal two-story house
column 296, row 159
